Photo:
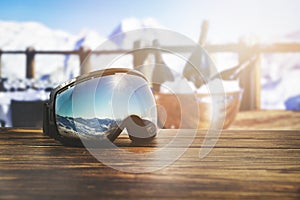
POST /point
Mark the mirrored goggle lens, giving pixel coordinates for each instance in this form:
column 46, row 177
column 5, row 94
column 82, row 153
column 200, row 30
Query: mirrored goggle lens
column 102, row 107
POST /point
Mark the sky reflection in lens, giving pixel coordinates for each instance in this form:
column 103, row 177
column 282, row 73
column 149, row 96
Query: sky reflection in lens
column 114, row 96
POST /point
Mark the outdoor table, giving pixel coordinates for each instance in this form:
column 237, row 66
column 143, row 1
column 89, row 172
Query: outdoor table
column 255, row 164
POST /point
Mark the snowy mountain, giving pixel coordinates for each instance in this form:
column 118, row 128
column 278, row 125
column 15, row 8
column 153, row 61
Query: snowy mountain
column 71, row 127
column 20, row 35
column 130, row 24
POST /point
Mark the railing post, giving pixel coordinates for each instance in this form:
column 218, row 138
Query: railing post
column 84, row 57
column 250, row 79
column 0, row 63
column 30, row 53
column 141, row 59
column 137, row 58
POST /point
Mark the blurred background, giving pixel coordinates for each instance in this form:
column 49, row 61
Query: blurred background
column 43, row 43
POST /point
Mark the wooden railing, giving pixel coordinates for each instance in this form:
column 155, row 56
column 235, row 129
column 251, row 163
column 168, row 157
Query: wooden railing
column 249, row 81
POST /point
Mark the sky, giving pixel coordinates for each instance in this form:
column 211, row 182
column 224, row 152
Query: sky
column 228, row 19
column 101, row 98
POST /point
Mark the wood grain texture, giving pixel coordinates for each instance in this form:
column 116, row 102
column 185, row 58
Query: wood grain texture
column 242, row 165
column 267, row 120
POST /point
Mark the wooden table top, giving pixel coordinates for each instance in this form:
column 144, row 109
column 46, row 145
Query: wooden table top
column 255, row 164
column 266, row 120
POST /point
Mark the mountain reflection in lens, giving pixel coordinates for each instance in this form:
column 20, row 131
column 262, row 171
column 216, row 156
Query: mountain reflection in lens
column 101, row 108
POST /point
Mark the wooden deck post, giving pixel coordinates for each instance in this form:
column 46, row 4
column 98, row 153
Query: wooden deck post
column 203, row 34
column 141, row 59
column 250, row 79
column 0, row 63
column 84, row 57
column 30, row 52
column 139, row 56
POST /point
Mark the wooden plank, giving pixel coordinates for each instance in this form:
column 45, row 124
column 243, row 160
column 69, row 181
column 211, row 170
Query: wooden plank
column 212, row 48
column 244, row 164
column 227, row 138
column 281, row 48
column 267, row 120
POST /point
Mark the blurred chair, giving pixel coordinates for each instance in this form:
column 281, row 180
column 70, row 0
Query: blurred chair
column 27, row 113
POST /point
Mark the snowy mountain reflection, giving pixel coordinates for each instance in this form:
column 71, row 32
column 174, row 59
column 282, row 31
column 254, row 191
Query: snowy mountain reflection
column 86, row 128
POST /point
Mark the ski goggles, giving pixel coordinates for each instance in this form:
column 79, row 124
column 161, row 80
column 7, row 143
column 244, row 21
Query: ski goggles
column 100, row 105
